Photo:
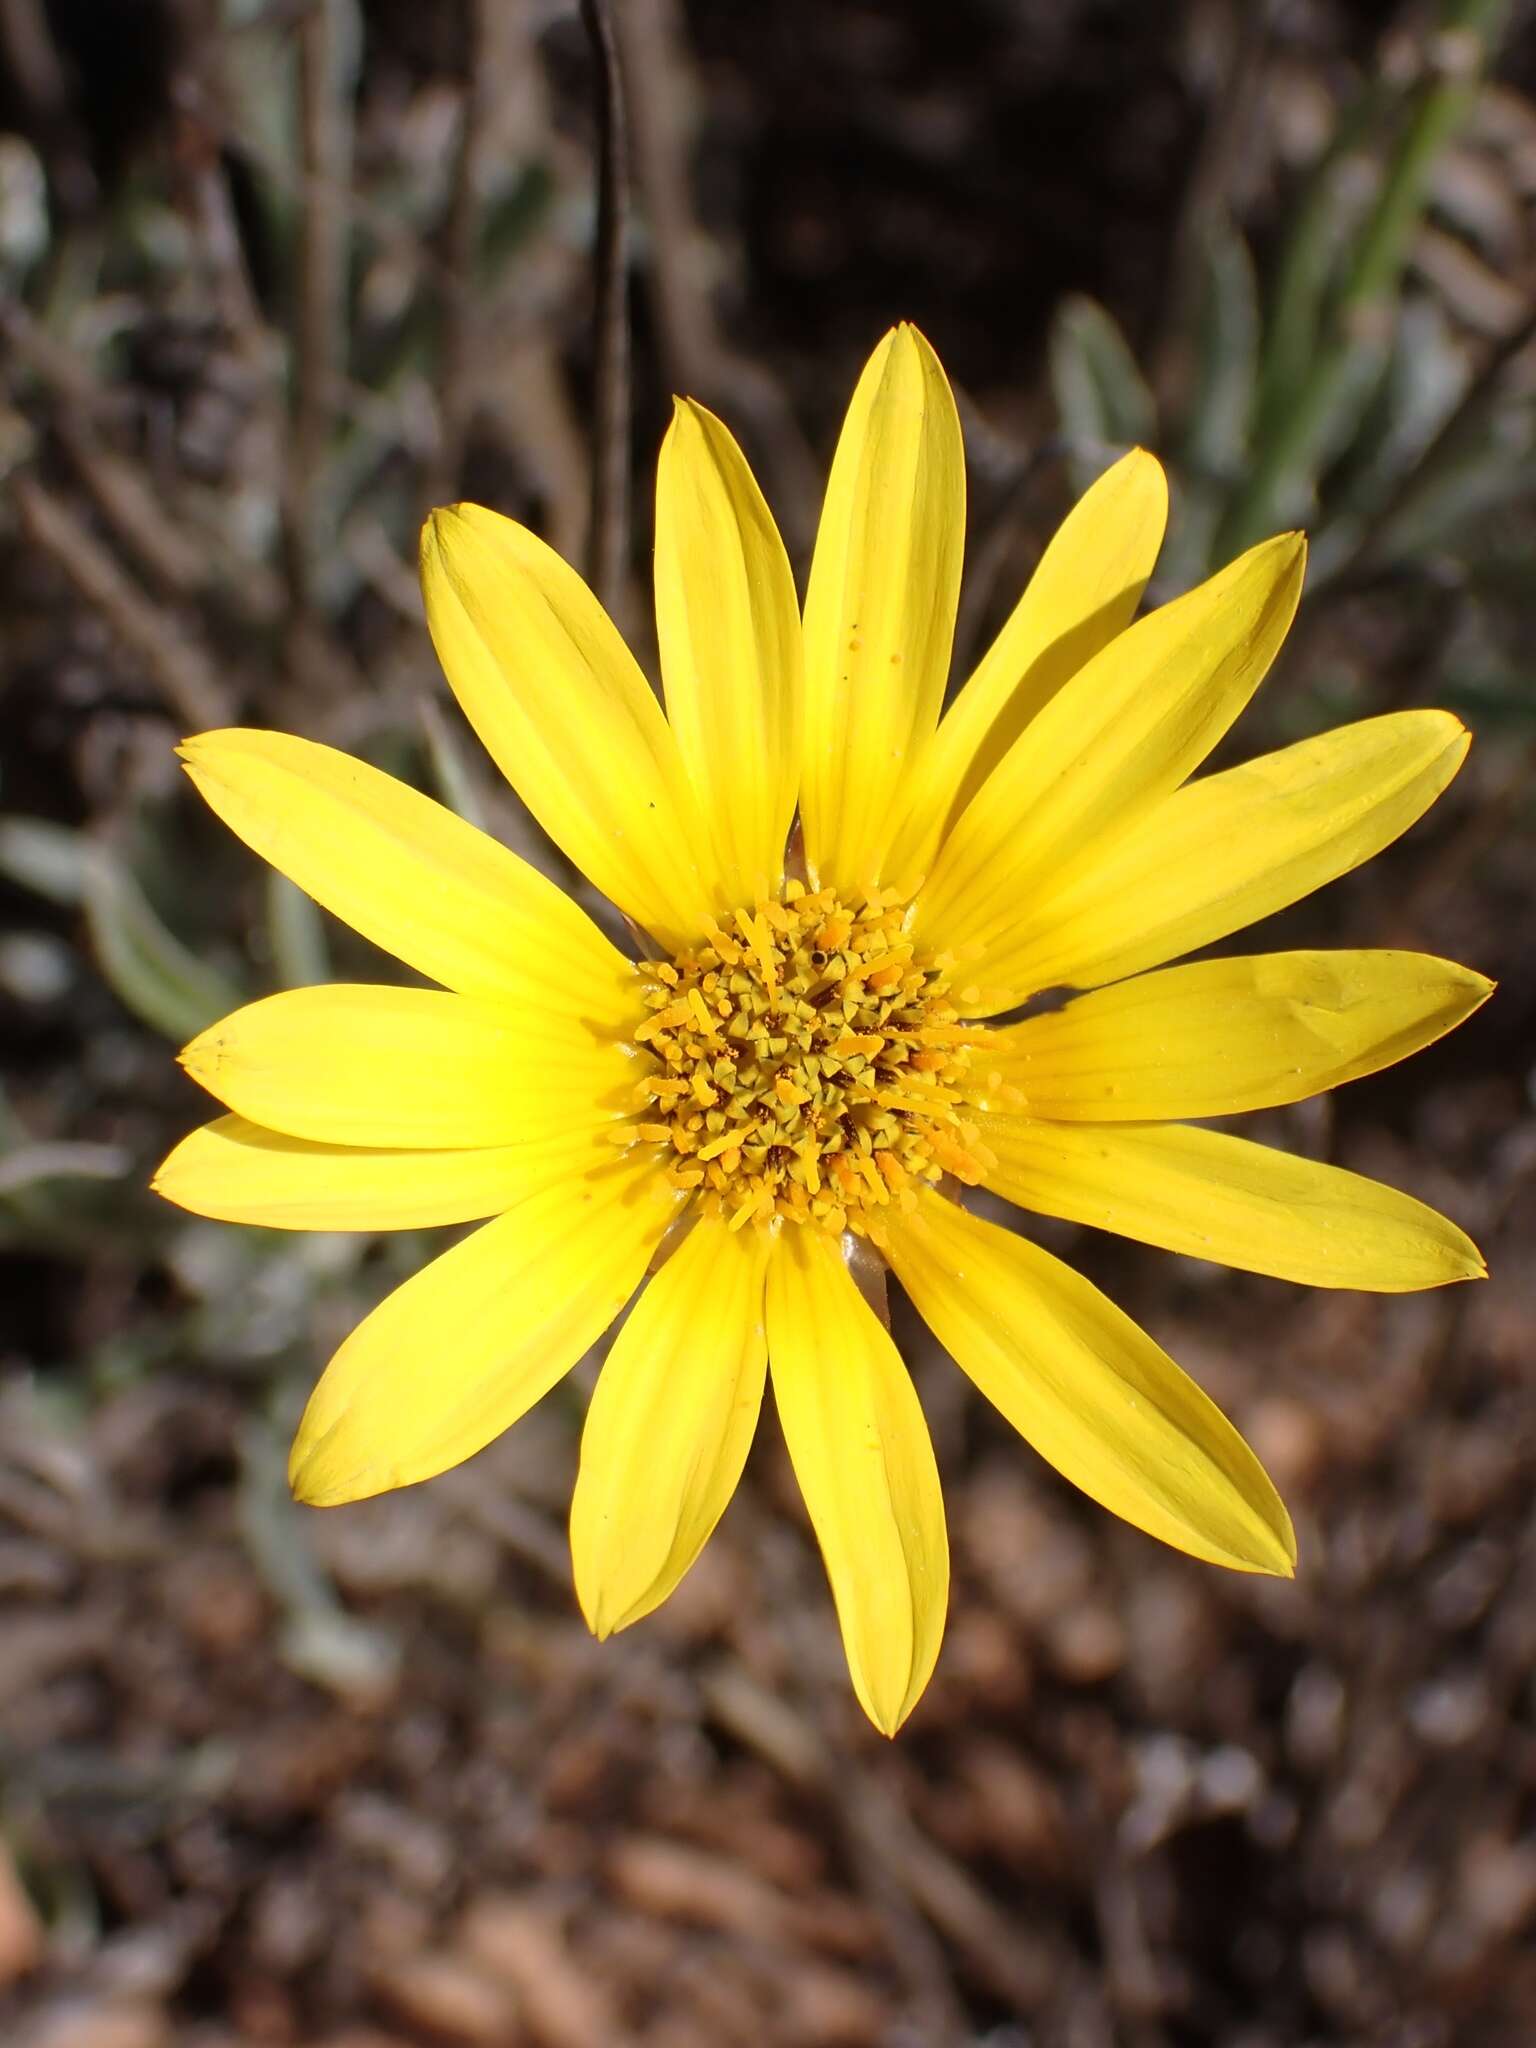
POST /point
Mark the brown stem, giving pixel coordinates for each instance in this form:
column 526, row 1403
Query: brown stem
column 187, row 683
column 610, row 435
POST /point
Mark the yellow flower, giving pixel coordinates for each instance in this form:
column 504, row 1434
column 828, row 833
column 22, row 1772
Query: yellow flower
column 804, row 1065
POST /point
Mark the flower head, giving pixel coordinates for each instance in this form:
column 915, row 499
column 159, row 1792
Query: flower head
column 807, row 1054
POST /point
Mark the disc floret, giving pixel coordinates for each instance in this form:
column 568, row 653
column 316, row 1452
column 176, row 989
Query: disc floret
column 808, row 1064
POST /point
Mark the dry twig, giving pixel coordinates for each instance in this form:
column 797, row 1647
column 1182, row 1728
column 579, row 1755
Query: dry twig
column 325, row 126
column 695, row 357
column 174, row 661
column 610, row 426
column 457, row 356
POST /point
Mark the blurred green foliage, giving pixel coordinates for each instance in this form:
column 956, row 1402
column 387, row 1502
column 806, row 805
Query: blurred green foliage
column 1338, row 391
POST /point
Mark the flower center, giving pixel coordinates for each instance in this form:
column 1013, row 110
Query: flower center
column 808, row 1065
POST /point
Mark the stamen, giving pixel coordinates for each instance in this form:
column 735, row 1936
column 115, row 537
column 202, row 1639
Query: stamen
column 808, row 1066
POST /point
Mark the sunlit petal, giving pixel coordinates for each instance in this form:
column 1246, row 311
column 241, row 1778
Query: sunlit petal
column 1229, row 1200
column 1122, row 734
column 1225, row 851
column 728, row 623
column 670, row 1424
column 1089, row 1389
column 880, row 607
column 862, row 1455
column 1219, row 1036
column 445, row 898
column 565, row 713
column 1085, row 590
column 467, row 1345
column 351, row 1064
column 243, row 1173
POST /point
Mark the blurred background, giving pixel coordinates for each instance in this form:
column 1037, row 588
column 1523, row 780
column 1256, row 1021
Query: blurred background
column 276, row 276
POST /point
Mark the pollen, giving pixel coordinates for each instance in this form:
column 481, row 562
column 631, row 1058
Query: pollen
column 808, row 1065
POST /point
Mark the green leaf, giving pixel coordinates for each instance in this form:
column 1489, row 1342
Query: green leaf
column 453, row 779
column 48, row 859
column 1227, row 355
column 297, row 932
column 147, row 967
column 1101, row 396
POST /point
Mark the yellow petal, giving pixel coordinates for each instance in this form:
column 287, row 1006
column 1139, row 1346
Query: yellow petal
column 355, row 1065
column 1219, row 1036
column 880, row 607
column 405, row 872
column 1227, row 850
column 467, row 1345
column 728, row 624
column 1226, row 1199
column 555, row 695
column 1089, row 1390
column 670, row 1424
column 862, row 1455
column 1085, row 590
column 1124, row 732
column 242, row 1173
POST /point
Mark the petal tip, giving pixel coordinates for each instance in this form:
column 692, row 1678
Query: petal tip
column 1274, row 1559
column 882, row 1720
column 312, row 1476
column 1146, row 469
column 893, row 1726
column 890, row 1713
column 594, row 1614
column 314, row 1481
column 440, row 524
column 1283, row 556
column 913, row 341
column 202, row 1058
column 879, row 356
column 592, row 1582
column 199, row 752
column 689, row 429
column 1272, row 1555
column 1450, row 724
column 302, row 1479
column 1465, row 1259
